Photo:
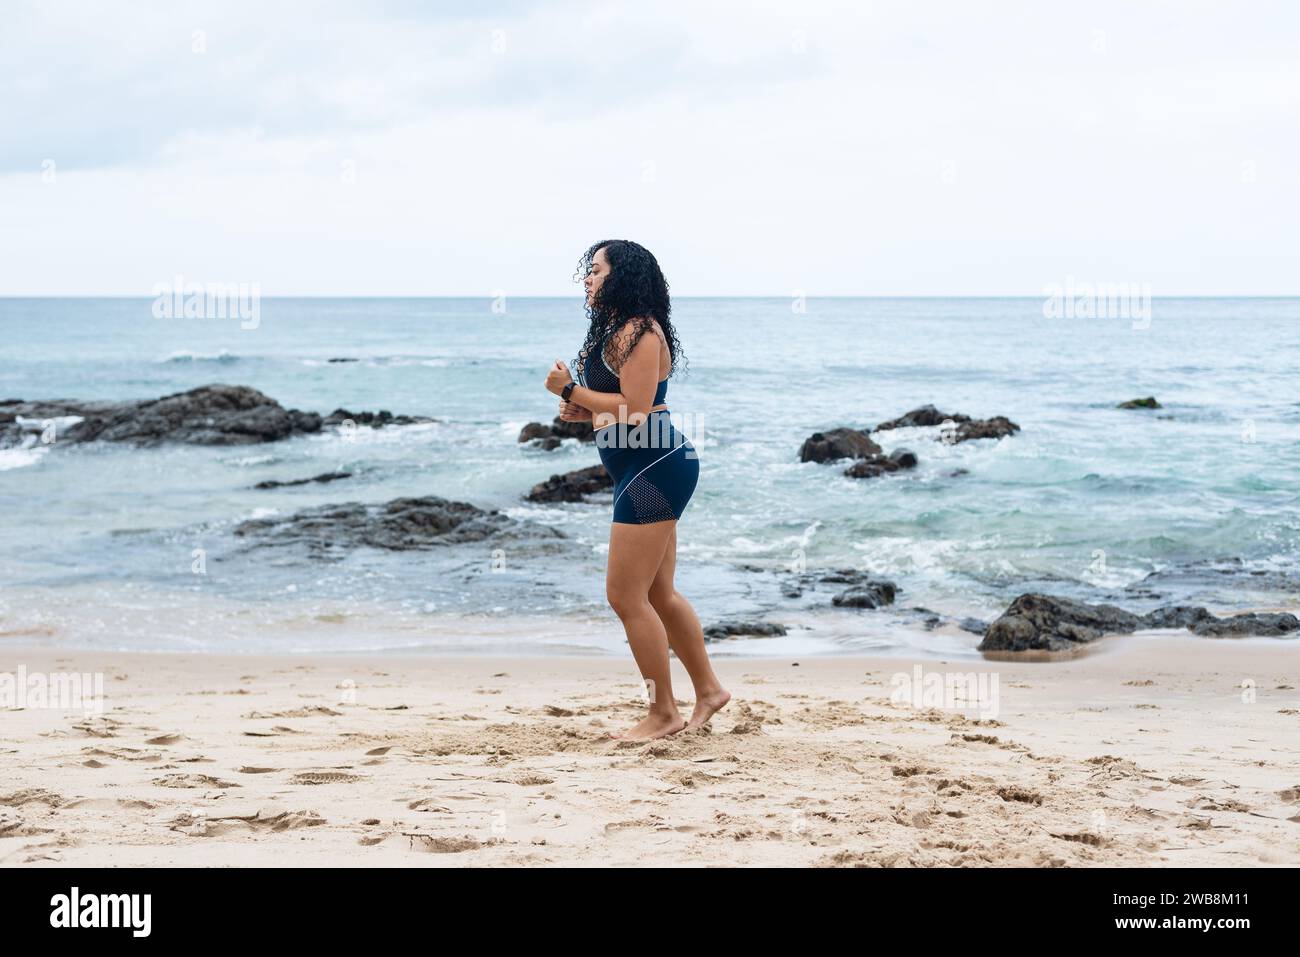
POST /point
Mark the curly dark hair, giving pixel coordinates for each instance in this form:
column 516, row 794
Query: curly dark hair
column 633, row 293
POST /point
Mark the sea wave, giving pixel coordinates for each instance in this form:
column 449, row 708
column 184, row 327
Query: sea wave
column 378, row 361
column 247, row 460
column 223, row 357
column 21, row 457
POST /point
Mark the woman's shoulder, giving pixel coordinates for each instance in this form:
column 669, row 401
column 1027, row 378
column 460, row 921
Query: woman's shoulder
column 624, row 333
column 658, row 330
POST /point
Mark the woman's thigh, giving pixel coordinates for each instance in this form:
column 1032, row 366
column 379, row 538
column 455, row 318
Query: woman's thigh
column 635, row 555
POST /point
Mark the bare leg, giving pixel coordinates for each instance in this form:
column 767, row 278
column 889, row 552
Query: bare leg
column 635, row 553
column 686, row 637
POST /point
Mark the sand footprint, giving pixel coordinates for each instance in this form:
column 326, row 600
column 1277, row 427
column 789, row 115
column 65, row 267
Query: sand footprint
column 32, row 796
column 324, row 777
column 192, row 781
column 123, row 754
column 165, row 739
column 1291, row 796
column 275, row 730
column 264, row 819
column 12, row 825
column 434, row 844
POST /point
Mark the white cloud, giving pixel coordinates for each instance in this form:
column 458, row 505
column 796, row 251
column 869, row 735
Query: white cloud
column 979, row 148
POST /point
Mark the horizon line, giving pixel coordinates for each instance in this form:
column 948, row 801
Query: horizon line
column 786, row 296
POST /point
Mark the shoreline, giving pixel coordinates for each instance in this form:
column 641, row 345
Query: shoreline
column 1146, row 752
column 93, row 620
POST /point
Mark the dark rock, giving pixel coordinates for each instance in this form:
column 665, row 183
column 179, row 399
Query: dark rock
column 323, row 477
column 582, row 431
column 870, row 468
column 895, row 461
column 926, row 415
column 871, row 594
column 1254, row 623
column 1043, row 622
column 540, row 435
column 208, row 415
column 38, row 416
column 1218, row 576
column 841, row 576
column 375, row 420
column 864, row 591
column 1175, row 616
column 402, row 524
column 1148, row 403
column 1035, row 622
column 572, row 486
column 965, row 427
column 731, row 629
column 930, row 620
column 551, row 436
column 994, row 428
column 843, row 443
column 903, row 458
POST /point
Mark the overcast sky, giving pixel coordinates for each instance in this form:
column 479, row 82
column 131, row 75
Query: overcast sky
column 398, row 148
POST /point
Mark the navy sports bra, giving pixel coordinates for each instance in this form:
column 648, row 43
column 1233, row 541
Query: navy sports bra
column 601, row 378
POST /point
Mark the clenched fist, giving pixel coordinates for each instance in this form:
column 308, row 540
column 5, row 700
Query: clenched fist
column 558, row 377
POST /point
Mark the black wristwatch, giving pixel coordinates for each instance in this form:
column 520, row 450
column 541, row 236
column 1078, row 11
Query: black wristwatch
column 567, row 390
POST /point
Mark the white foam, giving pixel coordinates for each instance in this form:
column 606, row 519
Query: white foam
column 20, row 458
column 187, row 356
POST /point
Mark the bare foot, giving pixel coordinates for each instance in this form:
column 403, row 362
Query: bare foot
column 652, row 726
column 706, row 705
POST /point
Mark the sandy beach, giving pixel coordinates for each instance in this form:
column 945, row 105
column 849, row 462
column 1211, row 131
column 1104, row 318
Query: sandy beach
column 1155, row 749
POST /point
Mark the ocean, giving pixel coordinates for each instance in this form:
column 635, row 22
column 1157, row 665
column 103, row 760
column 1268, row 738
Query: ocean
column 1198, row 501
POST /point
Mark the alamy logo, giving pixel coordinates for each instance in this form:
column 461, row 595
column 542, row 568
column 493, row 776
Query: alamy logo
column 1101, row 300
column 656, row 431
column 213, row 300
column 61, row 690
column 953, row 691
column 103, row 910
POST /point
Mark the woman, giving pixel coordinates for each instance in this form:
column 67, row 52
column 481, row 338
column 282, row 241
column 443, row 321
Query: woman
column 623, row 370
